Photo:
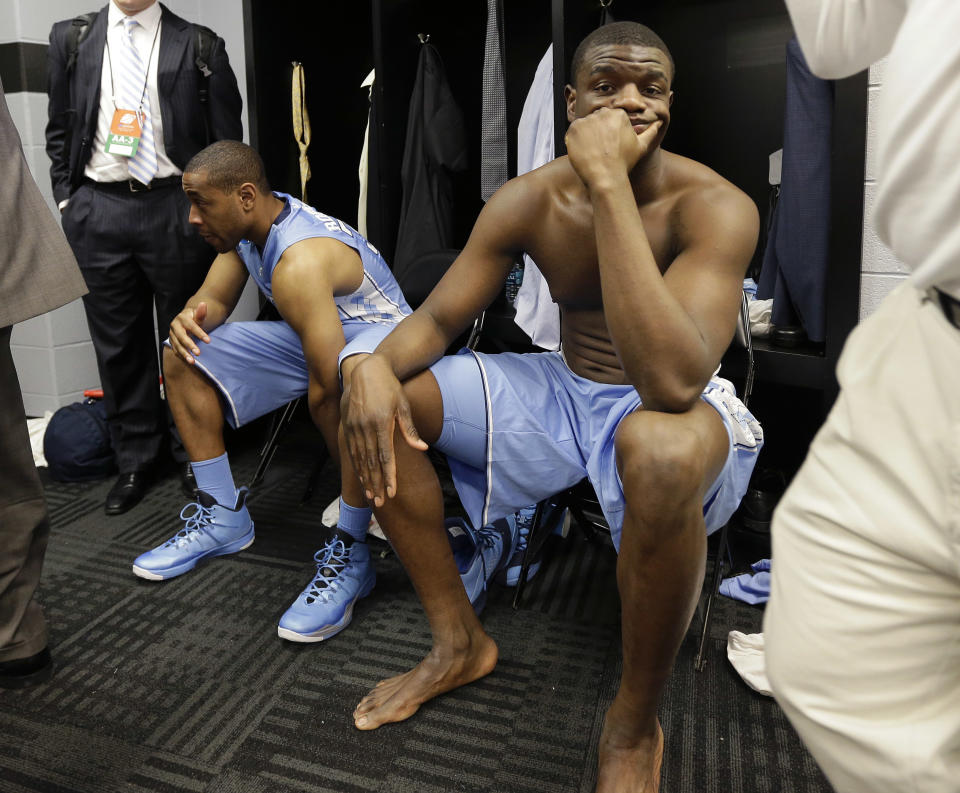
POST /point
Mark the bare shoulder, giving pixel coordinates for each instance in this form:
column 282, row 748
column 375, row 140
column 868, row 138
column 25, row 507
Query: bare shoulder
column 320, row 262
column 317, row 250
column 528, row 193
column 556, row 182
column 705, row 203
column 509, row 220
column 531, row 204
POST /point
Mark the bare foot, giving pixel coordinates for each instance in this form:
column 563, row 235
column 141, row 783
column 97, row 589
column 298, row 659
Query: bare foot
column 629, row 764
column 398, row 698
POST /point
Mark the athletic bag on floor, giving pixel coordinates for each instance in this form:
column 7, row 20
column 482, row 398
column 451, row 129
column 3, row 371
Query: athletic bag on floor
column 77, row 443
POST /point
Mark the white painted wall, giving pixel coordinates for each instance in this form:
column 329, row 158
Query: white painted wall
column 880, row 271
column 53, row 353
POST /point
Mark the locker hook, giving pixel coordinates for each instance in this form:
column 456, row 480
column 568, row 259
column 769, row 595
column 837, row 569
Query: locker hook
column 424, row 37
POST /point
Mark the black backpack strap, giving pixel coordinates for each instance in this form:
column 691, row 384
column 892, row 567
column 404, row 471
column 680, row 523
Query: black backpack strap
column 206, row 39
column 79, row 28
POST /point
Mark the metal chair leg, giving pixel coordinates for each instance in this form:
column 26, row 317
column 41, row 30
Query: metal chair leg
column 270, row 447
column 534, row 542
column 722, row 550
column 584, row 523
column 314, row 476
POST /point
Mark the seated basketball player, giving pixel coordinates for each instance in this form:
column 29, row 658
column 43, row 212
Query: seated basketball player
column 645, row 252
column 330, row 286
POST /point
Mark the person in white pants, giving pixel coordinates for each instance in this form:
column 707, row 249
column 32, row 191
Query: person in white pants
column 863, row 625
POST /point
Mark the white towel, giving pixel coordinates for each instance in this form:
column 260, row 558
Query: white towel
column 746, row 653
column 37, row 428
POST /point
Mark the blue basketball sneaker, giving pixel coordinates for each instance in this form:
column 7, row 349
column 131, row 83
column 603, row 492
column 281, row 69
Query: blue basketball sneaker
column 210, row 529
column 345, row 574
column 480, row 554
column 511, row 573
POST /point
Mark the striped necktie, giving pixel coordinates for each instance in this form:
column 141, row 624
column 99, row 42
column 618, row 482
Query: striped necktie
column 133, row 95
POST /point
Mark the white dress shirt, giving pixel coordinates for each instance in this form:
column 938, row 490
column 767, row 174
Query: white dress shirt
column 537, row 314
column 917, row 209
column 104, row 167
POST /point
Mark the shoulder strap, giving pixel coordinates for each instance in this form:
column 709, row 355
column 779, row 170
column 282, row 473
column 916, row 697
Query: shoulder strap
column 79, row 28
column 206, row 38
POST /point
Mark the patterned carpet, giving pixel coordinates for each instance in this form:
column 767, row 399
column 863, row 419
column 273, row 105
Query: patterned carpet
column 184, row 686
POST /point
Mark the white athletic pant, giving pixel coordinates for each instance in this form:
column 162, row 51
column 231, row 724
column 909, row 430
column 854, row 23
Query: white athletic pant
column 863, row 625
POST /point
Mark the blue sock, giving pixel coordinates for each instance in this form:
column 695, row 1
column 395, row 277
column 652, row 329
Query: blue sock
column 215, row 478
column 354, row 520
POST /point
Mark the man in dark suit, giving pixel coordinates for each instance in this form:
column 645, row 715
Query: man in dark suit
column 124, row 119
column 37, row 274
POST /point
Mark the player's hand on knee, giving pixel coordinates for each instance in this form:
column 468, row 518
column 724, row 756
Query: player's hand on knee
column 374, row 407
column 408, row 430
column 185, row 329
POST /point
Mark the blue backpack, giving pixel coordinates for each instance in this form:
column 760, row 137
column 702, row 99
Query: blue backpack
column 76, row 443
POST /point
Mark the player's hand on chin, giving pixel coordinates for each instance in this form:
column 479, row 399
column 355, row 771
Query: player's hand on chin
column 604, row 146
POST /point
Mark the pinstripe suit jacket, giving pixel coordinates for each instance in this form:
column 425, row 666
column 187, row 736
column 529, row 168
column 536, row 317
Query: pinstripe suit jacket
column 37, row 270
column 75, row 102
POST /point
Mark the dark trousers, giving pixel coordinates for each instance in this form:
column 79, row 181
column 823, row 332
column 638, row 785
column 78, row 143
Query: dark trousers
column 24, row 525
column 137, row 252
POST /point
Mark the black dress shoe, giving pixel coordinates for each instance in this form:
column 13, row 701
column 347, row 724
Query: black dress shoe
column 126, row 492
column 24, row 672
column 188, row 482
column 788, row 336
column 756, row 508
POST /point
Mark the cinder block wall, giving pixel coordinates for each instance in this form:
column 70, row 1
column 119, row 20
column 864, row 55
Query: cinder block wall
column 53, row 353
column 880, row 271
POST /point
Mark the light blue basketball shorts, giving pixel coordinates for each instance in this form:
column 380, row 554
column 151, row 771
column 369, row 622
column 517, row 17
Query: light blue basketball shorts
column 520, row 428
column 259, row 366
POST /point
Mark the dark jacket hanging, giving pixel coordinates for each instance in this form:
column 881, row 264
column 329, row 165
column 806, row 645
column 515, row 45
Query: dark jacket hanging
column 795, row 261
column 435, row 148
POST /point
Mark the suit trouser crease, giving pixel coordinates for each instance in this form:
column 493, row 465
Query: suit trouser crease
column 137, row 252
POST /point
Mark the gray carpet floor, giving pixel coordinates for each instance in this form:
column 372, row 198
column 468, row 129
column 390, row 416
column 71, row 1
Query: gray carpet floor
column 184, row 686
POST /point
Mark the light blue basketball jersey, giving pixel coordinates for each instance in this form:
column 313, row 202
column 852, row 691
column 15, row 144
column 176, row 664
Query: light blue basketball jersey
column 378, row 299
